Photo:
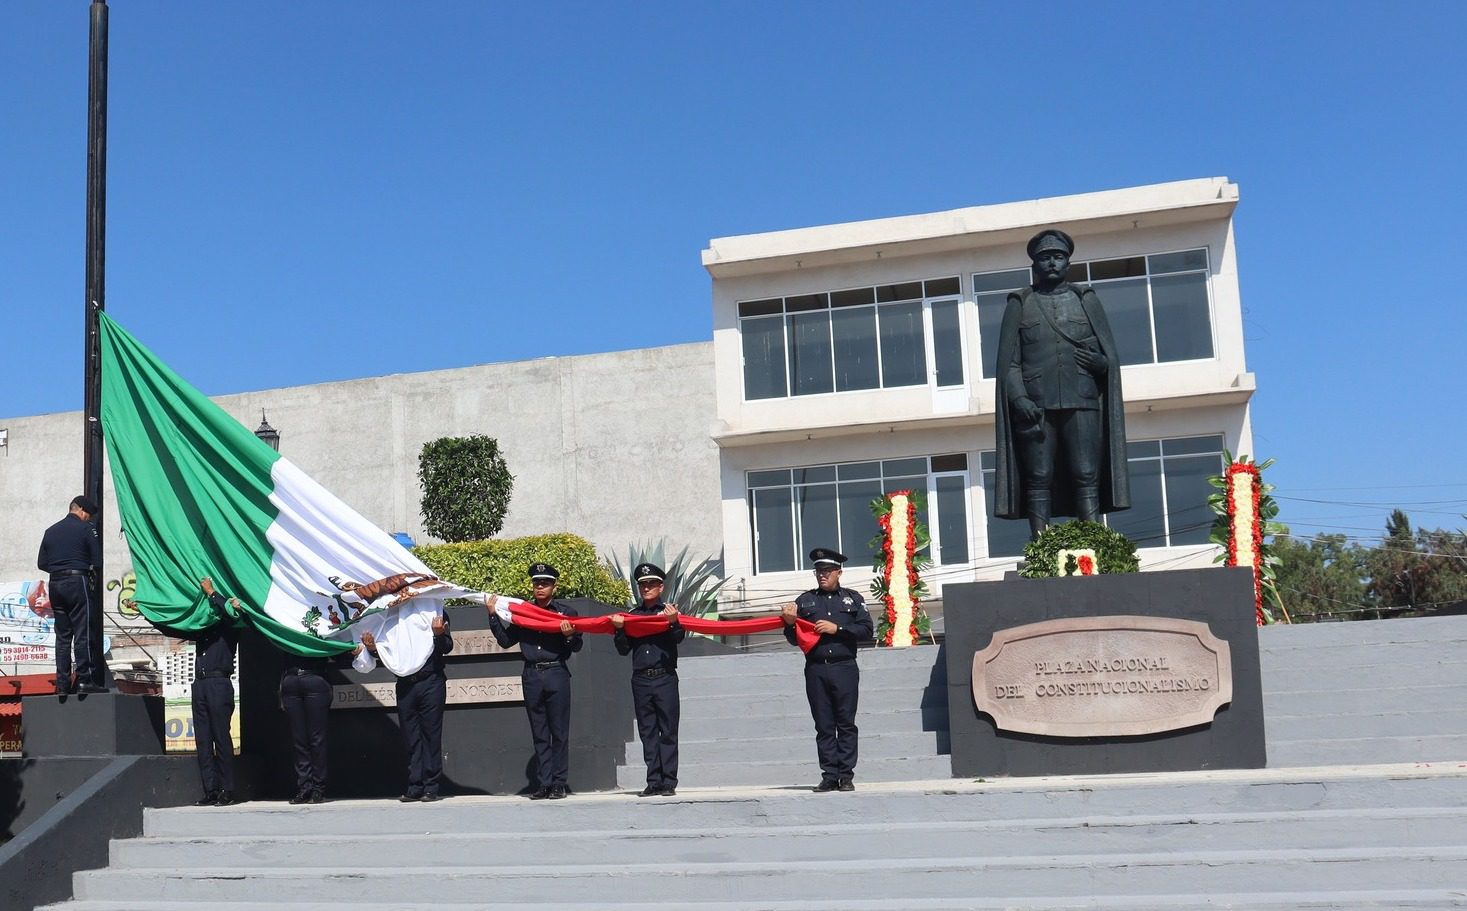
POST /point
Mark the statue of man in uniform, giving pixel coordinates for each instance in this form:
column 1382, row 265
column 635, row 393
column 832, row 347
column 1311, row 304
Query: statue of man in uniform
column 1061, row 425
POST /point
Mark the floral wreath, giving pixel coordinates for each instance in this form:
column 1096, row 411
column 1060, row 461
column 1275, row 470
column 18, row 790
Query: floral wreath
column 900, row 557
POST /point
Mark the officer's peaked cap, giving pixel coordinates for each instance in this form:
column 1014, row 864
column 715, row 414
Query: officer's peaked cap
column 543, row 571
column 826, row 556
column 649, row 571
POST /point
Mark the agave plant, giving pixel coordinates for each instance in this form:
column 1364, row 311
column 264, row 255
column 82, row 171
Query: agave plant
column 692, row 585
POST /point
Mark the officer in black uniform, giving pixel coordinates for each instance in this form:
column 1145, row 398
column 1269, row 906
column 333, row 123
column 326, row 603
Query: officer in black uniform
column 654, row 681
column 421, row 697
column 213, row 698
column 832, row 679
column 71, row 552
column 306, row 696
column 546, row 681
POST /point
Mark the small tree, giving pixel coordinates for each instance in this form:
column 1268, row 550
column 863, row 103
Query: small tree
column 466, row 487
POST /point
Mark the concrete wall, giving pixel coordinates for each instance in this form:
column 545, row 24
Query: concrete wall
column 614, row 447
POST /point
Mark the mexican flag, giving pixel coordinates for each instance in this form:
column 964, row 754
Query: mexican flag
column 200, row 495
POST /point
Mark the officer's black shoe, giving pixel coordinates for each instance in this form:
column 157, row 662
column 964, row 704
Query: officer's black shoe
column 226, row 799
column 302, row 797
column 431, row 797
column 557, row 792
column 65, row 687
column 540, row 794
column 650, row 791
column 669, row 792
column 846, row 785
column 208, row 800
column 410, row 797
column 317, row 797
column 827, row 784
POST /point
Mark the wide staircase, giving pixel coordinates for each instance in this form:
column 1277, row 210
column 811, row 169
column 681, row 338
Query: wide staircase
column 1364, row 806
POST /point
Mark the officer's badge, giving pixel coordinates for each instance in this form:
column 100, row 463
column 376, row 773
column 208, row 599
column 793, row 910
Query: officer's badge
column 847, row 601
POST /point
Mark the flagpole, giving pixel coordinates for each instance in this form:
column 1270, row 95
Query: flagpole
column 96, row 256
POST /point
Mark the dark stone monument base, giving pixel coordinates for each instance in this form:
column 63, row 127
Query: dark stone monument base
column 93, row 724
column 1221, row 598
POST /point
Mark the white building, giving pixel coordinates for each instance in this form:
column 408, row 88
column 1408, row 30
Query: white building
column 859, row 357
column 845, row 360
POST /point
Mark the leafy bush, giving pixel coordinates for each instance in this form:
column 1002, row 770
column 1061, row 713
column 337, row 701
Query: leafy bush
column 466, row 487
column 693, row 587
column 1114, row 552
column 502, row 566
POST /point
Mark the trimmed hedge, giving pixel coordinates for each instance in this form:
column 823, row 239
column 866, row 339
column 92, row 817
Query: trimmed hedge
column 502, row 566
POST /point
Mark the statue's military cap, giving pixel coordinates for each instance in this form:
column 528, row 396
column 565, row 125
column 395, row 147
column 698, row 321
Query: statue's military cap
column 649, row 572
column 1050, row 239
column 544, row 571
column 826, row 556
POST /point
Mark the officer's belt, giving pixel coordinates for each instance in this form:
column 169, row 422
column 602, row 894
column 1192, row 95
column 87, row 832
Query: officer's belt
column 200, row 675
column 424, row 674
column 72, row 572
column 544, row 665
column 810, row 660
column 652, row 672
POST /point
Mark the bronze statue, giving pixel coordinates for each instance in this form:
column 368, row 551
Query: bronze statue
column 1061, row 427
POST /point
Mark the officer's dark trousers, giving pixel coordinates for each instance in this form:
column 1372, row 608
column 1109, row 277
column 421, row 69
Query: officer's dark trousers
column 78, row 620
column 656, row 702
column 420, row 715
column 213, row 700
column 832, row 690
column 548, row 703
column 307, row 699
column 1075, row 432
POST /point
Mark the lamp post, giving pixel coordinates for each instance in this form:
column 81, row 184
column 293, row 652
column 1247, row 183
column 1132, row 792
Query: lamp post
column 269, row 434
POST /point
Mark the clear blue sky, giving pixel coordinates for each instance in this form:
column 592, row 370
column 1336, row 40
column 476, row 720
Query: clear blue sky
column 309, row 191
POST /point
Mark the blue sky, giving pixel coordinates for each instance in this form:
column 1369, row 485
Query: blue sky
column 308, row 191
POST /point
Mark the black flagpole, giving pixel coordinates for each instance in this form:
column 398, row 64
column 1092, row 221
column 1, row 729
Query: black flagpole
column 96, row 255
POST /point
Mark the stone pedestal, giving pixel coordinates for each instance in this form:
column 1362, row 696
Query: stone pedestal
column 1222, row 599
column 95, row 724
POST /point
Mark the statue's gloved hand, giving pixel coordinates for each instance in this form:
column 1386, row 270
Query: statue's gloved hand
column 1029, row 413
column 1092, row 361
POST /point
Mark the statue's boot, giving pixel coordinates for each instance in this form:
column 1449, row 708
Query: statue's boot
column 1087, row 504
column 1037, row 506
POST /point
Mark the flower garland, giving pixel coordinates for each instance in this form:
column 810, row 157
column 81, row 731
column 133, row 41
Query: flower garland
column 1244, row 509
column 898, row 581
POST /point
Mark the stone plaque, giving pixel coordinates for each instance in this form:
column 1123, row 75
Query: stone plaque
column 469, row 690
column 1103, row 676
column 479, row 642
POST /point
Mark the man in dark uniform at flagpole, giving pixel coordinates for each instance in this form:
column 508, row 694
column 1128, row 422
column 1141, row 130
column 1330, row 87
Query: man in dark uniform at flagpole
column 832, row 679
column 213, row 698
column 654, row 681
column 421, row 698
column 71, row 552
column 545, row 681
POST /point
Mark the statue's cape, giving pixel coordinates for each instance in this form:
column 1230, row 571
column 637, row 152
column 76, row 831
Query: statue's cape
column 1115, row 485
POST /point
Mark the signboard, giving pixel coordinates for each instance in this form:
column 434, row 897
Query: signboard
column 1103, row 676
column 468, row 691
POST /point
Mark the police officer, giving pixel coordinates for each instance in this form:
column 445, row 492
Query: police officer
column 654, row 681
column 546, row 681
column 832, row 680
column 71, row 552
column 305, row 695
column 213, row 698
column 421, row 697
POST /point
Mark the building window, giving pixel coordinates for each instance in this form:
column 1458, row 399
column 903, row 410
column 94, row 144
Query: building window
column 792, row 510
column 859, row 338
column 1157, row 305
column 1169, row 490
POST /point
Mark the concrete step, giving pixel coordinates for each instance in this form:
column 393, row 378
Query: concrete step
column 1440, row 672
column 789, row 702
column 699, row 726
column 1321, row 900
column 1368, row 750
column 1341, row 658
column 850, row 841
column 1404, row 629
column 799, row 748
column 792, row 773
column 955, row 800
column 1364, row 700
column 792, row 658
column 1427, row 867
column 1388, row 724
column 691, row 684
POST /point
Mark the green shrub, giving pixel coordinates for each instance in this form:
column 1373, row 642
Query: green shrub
column 1114, row 552
column 502, row 566
column 466, row 487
